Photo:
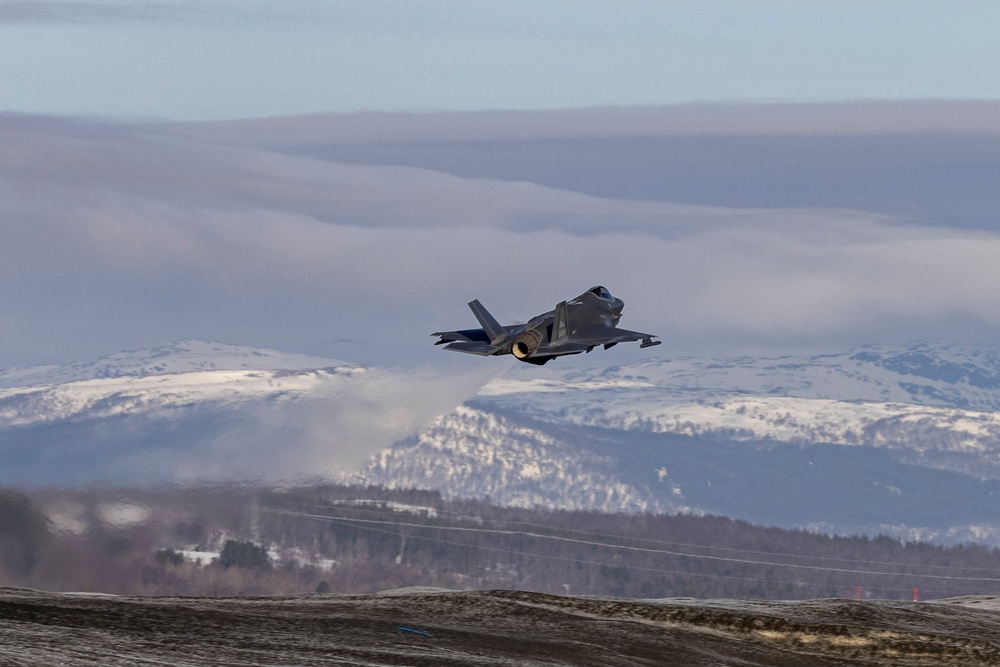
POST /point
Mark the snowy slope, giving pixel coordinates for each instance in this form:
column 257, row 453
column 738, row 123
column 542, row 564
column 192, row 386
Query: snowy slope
column 128, row 395
column 897, row 441
column 936, row 405
column 924, row 373
column 184, row 356
column 184, row 374
column 475, row 454
column 513, row 460
column 207, row 411
column 871, row 440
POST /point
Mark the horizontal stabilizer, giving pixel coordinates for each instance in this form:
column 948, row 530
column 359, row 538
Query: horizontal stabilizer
column 477, row 335
column 482, row 349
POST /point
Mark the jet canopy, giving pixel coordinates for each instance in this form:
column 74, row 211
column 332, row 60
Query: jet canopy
column 601, row 292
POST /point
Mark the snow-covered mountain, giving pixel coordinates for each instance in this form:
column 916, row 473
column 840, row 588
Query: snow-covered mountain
column 478, row 454
column 923, row 373
column 155, row 382
column 902, row 441
column 515, row 460
column 931, row 404
column 185, row 356
column 206, row 411
column 895, row 440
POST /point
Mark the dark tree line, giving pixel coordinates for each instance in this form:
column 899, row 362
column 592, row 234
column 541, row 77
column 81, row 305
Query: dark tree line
column 344, row 539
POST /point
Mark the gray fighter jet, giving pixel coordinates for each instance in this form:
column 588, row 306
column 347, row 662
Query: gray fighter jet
column 575, row 326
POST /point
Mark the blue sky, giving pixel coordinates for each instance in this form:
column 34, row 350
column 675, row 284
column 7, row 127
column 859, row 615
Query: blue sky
column 218, row 60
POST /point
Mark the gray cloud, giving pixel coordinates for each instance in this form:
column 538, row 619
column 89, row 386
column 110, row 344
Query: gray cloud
column 786, row 119
column 117, row 236
column 933, row 160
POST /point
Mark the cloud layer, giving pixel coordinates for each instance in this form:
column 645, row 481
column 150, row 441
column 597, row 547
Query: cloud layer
column 117, row 236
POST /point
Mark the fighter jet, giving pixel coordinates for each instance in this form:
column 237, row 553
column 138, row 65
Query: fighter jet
column 575, row 326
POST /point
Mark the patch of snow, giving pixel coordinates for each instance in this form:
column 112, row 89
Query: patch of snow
column 67, row 518
column 391, row 505
column 200, row 558
column 121, row 515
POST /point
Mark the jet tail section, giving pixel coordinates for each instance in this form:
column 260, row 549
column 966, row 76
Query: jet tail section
column 487, row 321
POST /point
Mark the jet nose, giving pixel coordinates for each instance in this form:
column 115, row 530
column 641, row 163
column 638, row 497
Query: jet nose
column 617, row 306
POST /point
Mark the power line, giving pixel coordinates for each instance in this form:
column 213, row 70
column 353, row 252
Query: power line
column 674, row 544
column 664, row 552
column 630, row 567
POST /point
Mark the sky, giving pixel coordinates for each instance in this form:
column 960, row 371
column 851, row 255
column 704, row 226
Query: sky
column 750, row 177
column 221, row 60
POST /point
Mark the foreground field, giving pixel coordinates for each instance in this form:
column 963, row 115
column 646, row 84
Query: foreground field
column 490, row 628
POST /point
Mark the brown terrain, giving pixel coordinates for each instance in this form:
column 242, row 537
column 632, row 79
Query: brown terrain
column 469, row 628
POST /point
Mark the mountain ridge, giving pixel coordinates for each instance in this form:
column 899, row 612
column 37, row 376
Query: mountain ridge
column 659, row 435
column 181, row 356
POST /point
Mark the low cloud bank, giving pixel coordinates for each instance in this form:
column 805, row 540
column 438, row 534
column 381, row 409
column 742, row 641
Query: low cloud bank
column 121, row 236
column 870, row 117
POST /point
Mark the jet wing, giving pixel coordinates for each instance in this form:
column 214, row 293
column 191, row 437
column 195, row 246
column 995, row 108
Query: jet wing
column 473, row 341
column 613, row 336
column 472, row 347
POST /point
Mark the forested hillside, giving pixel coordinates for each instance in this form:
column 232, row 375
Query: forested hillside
column 324, row 538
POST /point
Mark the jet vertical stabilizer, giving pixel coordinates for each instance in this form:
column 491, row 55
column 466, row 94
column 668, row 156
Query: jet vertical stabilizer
column 560, row 324
column 487, row 321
